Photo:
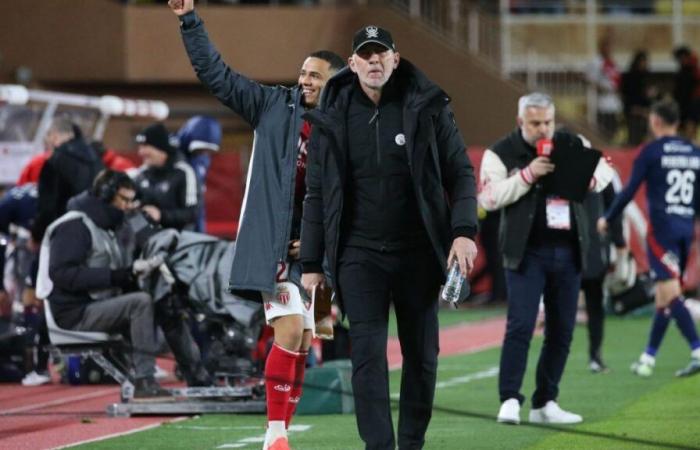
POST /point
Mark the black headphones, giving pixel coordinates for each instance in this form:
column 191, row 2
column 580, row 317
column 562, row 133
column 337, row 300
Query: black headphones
column 107, row 184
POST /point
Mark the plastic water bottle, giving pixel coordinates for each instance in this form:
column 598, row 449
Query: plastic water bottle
column 453, row 286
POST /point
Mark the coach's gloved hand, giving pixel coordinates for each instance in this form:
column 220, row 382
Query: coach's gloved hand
column 124, row 278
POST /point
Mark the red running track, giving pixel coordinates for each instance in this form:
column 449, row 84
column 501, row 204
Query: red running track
column 459, row 339
column 56, row 415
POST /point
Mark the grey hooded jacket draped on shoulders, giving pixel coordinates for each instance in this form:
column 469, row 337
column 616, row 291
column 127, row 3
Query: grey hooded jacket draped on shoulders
column 274, row 112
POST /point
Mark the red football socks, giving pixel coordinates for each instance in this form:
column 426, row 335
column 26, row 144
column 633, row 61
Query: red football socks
column 279, row 379
column 295, row 394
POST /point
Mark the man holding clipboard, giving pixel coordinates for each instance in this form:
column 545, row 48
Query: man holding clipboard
column 538, row 178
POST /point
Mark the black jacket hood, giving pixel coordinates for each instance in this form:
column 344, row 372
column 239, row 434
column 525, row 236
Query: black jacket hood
column 78, row 149
column 103, row 214
column 417, row 89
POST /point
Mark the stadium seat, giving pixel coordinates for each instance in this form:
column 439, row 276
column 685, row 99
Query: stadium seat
column 61, row 337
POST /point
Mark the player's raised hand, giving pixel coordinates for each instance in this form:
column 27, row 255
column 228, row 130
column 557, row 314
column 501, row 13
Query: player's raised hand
column 181, row 7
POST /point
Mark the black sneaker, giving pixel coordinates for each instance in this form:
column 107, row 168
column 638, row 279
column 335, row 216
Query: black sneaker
column 148, row 387
column 200, row 379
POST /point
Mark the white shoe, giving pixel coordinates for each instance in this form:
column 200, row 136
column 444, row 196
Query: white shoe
column 644, row 367
column 275, row 431
column 509, row 412
column 552, row 413
column 160, row 373
column 690, row 369
column 35, row 379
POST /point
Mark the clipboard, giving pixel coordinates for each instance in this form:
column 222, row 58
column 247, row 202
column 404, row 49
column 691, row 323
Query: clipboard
column 574, row 167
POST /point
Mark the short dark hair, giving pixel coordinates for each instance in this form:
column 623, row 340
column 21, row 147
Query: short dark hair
column 667, row 110
column 681, row 52
column 108, row 182
column 331, row 58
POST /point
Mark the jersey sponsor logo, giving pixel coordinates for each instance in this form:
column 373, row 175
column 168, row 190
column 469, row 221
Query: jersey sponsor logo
column 680, row 210
column 680, row 162
column 677, row 147
column 303, row 151
column 282, row 387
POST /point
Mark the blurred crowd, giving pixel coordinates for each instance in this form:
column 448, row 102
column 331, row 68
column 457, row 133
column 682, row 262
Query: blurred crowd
column 232, row 2
column 623, row 97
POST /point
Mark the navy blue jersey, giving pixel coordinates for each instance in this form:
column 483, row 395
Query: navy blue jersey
column 670, row 166
column 18, row 206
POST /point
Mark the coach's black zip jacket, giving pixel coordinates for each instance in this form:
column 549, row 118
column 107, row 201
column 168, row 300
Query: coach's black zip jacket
column 441, row 173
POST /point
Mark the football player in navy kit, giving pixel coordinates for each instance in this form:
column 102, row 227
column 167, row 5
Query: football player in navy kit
column 670, row 166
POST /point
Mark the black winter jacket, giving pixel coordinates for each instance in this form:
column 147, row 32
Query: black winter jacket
column 173, row 189
column 69, row 171
column 70, row 247
column 441, row 172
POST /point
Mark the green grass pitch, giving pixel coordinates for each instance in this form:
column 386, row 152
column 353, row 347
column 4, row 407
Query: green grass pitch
column 620, row 410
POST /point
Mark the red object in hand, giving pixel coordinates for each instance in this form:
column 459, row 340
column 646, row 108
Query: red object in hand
column 544, row 147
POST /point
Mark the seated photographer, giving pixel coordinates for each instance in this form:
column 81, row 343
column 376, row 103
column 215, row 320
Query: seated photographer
column 88, row 279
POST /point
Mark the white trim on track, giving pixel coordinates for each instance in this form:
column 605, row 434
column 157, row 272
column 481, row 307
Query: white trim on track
column 122, row 433
column 60, row 401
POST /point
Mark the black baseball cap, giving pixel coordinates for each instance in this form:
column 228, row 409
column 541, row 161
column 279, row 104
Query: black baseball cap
column 372, row 33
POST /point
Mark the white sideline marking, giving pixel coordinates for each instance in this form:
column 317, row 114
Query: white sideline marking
column 488, row 373
column 60, row 401
column 207, row 428
column 122, row 433
column 253, row 439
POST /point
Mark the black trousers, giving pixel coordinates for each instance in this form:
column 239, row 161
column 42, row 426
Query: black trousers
column 36, row 340
column 170, row 317
column 593, row 293
column 369, row 281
